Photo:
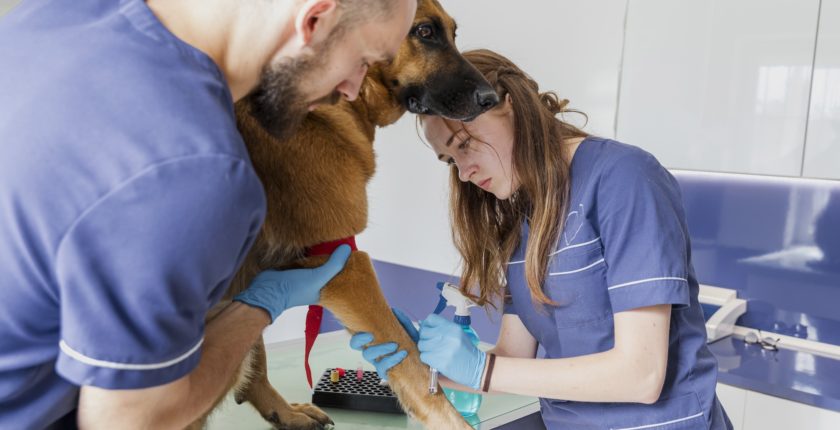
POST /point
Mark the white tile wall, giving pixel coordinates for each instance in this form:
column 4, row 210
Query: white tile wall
column 822, row 147
column 719, row 85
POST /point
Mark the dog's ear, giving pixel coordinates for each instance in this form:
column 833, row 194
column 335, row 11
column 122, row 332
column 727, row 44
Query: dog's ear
column 384, row 108
column 373, row 85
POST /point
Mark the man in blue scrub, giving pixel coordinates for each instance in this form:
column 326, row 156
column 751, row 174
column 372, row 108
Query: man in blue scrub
column 128, row 200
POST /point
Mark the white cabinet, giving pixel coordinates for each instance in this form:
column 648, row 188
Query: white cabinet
column 750, row 410
column 719, row 85
column 822, row 148
column 733, row 400
column 763, row 412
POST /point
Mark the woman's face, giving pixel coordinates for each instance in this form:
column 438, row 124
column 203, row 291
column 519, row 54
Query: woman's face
column 481, row 149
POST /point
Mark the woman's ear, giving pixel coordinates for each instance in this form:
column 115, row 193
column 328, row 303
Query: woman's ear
column 506, row 107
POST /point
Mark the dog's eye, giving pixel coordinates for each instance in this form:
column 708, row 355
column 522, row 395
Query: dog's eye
column 424, row 31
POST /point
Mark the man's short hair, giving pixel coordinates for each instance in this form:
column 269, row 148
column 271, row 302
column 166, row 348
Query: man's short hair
column 355, row 12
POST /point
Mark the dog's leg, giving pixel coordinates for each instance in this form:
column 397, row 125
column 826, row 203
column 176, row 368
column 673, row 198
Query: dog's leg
column 270, row 404
column 355, row 298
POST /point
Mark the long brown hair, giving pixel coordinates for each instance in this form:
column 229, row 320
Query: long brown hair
column 486, row 230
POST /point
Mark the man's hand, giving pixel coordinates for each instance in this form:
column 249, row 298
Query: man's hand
column 383, row 355
column 278, row 290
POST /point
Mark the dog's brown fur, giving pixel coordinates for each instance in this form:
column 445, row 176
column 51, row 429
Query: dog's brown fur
column 316, row 189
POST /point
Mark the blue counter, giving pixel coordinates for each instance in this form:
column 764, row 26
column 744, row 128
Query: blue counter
column 800, row 377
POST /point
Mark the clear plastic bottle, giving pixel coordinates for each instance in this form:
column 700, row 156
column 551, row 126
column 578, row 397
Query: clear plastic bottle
column 466, row 403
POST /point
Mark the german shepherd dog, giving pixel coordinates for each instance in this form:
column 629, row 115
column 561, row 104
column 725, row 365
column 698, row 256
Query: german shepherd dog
column 315, row 184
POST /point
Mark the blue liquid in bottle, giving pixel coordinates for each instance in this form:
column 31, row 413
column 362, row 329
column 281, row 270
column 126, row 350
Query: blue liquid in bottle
column 466, row 403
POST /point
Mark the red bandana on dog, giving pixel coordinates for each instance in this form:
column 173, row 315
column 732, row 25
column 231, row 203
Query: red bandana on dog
column 316, row 313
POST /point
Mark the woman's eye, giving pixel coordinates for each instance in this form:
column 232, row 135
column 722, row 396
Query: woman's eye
column 450, row 161
column 465, row 144
column 424, row 31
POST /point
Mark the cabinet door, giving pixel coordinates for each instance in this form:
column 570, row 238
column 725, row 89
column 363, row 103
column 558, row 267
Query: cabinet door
column 719, row 85
column 765, row 412
column 733, row 400
column 822, row 148
column 571, row 47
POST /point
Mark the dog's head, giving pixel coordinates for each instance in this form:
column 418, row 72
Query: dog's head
column 429, row 76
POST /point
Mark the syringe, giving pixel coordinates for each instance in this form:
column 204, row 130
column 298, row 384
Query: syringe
column 433, row 380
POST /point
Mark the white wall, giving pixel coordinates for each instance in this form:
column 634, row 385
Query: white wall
column 571, row 47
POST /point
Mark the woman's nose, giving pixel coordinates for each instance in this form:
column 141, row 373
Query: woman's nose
column 466, row 172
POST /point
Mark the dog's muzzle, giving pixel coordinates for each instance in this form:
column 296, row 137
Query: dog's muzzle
column 460, row 104
column 414, row 106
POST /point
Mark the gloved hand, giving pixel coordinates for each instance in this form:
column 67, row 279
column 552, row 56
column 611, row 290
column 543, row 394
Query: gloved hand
column 444, row 346
column 278, row 290
column 382, row 355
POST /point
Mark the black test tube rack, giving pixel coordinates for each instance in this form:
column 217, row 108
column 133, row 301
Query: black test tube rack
column 351, row 393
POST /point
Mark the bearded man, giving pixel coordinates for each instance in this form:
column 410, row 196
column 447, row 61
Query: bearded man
column 128, row 200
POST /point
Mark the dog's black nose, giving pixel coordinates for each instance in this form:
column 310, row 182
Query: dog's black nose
column 486, row 98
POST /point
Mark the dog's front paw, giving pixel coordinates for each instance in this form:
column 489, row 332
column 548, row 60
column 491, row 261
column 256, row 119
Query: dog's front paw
column 301, row 416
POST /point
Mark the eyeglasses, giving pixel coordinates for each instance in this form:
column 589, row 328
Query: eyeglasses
column 766, row 342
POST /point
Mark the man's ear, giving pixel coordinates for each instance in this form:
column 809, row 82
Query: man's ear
column 316, row 20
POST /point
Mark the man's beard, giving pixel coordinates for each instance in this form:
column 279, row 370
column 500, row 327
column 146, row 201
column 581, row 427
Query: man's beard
column 278, row 102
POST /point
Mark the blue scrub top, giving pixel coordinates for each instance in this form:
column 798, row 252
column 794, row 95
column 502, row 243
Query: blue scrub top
column 625, row 245
column 127, row 202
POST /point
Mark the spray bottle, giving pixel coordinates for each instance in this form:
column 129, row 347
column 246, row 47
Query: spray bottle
column 466, row 403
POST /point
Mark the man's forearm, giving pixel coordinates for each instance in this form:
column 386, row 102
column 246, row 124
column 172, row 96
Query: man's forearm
column 228, row 337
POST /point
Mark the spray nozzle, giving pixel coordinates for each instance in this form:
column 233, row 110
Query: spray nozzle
column 450, row 295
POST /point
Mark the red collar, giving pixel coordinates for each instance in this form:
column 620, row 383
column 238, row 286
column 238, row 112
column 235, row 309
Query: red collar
column 327, row 248
column 316, row 313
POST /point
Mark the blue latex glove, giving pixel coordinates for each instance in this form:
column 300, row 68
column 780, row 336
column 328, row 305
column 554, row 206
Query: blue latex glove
column 278, row 290
column 382, row 355
column 444, row 346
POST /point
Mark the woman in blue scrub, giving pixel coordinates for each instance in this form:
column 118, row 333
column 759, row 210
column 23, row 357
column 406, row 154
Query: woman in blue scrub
column 584, row 241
